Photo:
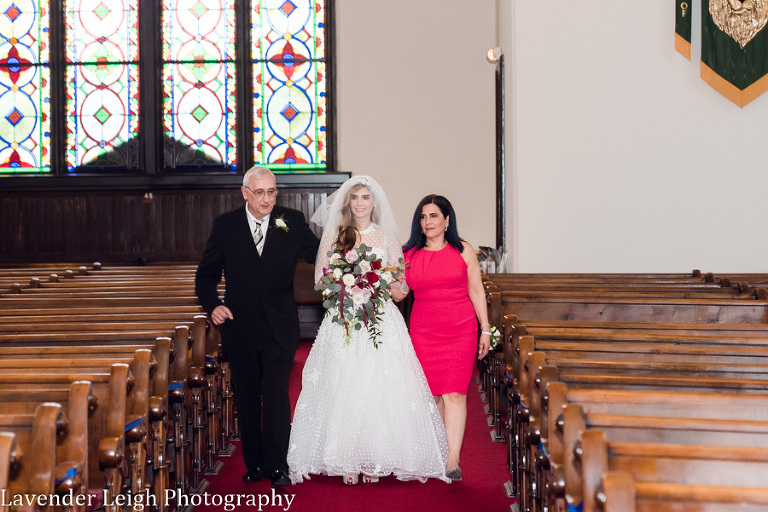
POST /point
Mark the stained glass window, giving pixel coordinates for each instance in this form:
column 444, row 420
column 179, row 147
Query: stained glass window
column 102, row 83
column 25, row 108
column 289, row 85
column 199, row 83
column 91, row 86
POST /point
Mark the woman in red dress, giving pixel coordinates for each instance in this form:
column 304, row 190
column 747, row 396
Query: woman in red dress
column 449, row 303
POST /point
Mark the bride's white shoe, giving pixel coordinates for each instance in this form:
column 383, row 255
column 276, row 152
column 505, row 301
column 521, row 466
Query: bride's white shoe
column 350, row 479
column 370, row 479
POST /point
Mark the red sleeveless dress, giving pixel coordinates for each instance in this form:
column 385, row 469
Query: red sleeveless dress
column 443, row 324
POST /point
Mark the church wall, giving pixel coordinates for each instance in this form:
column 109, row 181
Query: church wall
column 623, row 158
column 416, row 104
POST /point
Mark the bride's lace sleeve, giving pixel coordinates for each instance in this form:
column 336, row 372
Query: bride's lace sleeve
column 321, row 262
column 395, row 257
column 394, row 250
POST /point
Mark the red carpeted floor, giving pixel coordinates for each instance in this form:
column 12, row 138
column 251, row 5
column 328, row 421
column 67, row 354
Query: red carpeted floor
column 482, row 489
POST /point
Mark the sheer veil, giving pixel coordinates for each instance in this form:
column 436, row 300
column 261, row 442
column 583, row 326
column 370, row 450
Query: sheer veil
column 329, row 215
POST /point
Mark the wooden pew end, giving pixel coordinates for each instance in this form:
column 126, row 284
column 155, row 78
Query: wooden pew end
column 617, row 492
column 110, row 453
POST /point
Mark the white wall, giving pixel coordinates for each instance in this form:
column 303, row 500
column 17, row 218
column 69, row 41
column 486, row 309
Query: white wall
column 416, row 104
column 622, row 158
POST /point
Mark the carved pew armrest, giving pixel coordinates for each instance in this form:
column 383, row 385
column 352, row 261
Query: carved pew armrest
column 135, row 429
column 68, row 477
column 196, row 377
column 157, row 408
column 111, row 451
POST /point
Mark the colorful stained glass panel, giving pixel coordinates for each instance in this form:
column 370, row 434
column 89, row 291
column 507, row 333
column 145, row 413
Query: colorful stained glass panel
column 199, row 83
column 289, row 92
column 102, row 84
column 24, row 87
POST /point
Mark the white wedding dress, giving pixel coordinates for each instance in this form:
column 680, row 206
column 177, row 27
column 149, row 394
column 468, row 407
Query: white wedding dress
column 364, row 409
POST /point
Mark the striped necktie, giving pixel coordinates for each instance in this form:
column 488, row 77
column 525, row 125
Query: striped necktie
column 258, row 236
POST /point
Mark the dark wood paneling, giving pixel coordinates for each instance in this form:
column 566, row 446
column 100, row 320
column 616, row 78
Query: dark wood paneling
column 111, row 226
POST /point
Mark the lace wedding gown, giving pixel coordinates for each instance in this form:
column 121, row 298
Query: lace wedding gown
column 364, row 409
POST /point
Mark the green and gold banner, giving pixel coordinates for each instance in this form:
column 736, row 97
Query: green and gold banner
column 734, row 45
column 734, row 48
column 683, row 27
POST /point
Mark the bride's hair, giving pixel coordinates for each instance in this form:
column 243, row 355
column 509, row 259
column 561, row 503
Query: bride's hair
column 347, row 231
column 335, row 217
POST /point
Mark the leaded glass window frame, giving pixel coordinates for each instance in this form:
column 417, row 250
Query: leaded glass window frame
column 150, row 169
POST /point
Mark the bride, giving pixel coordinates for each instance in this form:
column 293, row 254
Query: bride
column 364, row 410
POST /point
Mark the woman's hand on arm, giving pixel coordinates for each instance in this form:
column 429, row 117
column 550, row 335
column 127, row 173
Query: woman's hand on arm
column 477, row 297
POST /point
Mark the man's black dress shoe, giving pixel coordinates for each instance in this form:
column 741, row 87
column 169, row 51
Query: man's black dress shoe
column 279, row 478
column 253, row 475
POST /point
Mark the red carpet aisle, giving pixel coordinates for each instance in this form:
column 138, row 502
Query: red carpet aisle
column 482, row 489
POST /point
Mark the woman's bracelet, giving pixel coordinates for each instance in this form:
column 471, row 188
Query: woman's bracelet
column 485, row 323
column 485, row 332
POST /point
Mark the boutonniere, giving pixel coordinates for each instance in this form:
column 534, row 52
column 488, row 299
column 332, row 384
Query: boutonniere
column 280, row 223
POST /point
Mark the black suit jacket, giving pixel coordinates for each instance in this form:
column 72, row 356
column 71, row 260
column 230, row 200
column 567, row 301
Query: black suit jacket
column 255, row 283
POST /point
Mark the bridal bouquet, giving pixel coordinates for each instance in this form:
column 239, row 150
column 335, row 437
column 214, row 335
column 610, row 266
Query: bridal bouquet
column 355, row 289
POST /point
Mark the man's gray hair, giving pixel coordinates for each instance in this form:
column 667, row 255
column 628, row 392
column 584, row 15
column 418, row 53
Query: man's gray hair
column 257, row 172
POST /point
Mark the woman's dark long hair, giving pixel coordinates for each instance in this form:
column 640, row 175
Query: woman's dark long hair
column 418, row 239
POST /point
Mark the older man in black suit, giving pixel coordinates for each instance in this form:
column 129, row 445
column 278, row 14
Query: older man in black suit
column 256, row 247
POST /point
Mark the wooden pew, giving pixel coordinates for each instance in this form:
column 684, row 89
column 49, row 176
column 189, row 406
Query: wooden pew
column 619, row 493
column 591, row 309
column 84, row 313
column 78, row 294
column 696, row 340
column 695, row 275
column 633, row 309
column 608, row 356
column 27, row 301
column 35, row 436
column 168, row 379
column 114, row 446
column 745, row 340
column 36, row 327
column 179, row 440
column 620, row 292
column 72, row 455
column 630, row 311
column 15, row 384
column 710, row 465
column 529, row 417
column 10, row 459
column 646, row 423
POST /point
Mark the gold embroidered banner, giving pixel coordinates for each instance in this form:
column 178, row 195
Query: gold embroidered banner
column 734, row 46
column 683, row 27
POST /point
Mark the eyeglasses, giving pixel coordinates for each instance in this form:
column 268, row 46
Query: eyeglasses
column 270, row 193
